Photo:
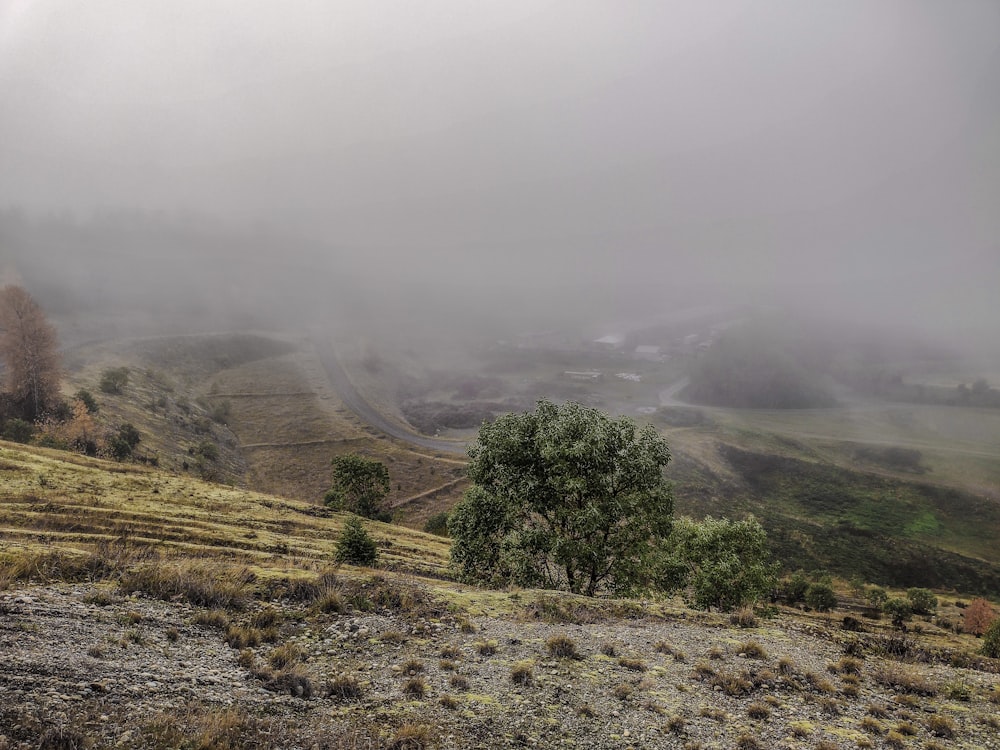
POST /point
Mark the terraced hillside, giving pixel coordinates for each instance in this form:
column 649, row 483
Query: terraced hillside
column 58, row 503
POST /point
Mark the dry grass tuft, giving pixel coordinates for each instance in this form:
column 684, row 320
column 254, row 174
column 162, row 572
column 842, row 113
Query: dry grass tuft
column 903, row 679
column 895, row 740
column 212, row 618
column 631, row 664
column 448, row 701
column 240, row 637
column 415, row 687
column 623, row 691
column 941, row 726
column 710, row 712
column 759, row 711
column 743, row 618
column 486, row 648
column 198, row 583
column 871, row 725
column 732, row 684
column 800, row 729
column 753, row 650
column 285, row 656
column 562, row 646
column 293, row 680
column 522, row 673
column 846, row 665
column 675, row 724
column 411, row 737
column 344, row 688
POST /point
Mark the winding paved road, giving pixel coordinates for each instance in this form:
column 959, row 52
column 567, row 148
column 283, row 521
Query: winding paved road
column 349, row 395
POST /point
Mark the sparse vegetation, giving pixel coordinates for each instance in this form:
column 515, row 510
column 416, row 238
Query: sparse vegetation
column 272, row 592
column 941, row 725
column 759, row 711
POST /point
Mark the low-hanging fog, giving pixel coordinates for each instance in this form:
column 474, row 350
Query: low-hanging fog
column 535, row 162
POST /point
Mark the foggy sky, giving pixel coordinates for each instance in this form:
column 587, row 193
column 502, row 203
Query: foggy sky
column 836, row 144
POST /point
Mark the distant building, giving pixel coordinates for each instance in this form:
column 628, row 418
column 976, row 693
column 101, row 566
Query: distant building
column 582, row 374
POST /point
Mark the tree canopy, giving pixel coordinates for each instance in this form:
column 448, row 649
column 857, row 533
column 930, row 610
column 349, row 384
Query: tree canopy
column 359, row 485
column 563, row 497
column 28, row 350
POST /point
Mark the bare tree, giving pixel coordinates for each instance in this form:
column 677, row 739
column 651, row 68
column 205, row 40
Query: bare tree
column 28, row 351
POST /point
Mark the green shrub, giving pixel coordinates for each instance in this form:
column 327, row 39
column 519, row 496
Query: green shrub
column 900, row 610
column 991, row 640
column 114, row 379
column 821, row 597
column 877, row 597
column 793, row 588
column 718, row 563
column 18, row 431
column 922, row 601
column 206, row 449
column 356, row 545
column 437, row 524
column 123, row 442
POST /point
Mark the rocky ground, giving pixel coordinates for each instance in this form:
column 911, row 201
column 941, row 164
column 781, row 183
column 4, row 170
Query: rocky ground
column 84, row 665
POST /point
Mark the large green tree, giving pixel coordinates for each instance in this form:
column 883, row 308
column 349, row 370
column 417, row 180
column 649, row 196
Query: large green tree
column 718, row 562
column 563, row 497
column 360, row 485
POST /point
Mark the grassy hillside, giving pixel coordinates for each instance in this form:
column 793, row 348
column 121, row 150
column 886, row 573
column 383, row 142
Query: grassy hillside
column 900, row 495
column 54, row 503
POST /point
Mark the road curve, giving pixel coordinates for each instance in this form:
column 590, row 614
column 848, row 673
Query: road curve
column 354, row 401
